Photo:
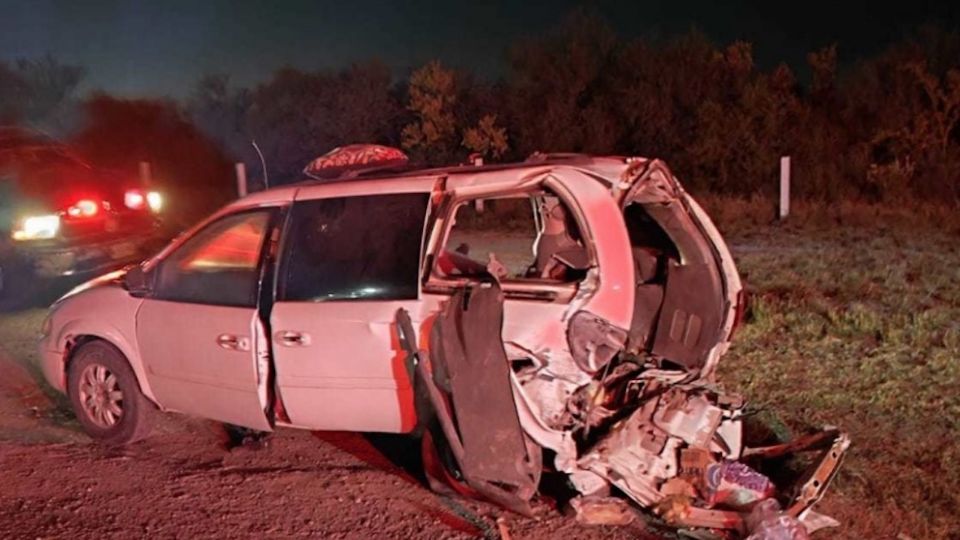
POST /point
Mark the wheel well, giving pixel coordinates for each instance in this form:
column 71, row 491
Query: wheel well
column 75, row 342
column 73, row 345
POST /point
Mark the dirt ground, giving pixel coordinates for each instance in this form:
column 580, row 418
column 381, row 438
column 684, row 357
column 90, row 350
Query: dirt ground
column 854, row 328
column 183, row 481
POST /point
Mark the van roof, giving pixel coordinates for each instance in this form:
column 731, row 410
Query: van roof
column 413, row 170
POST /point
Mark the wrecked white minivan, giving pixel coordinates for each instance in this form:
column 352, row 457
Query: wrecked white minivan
column 379, row 298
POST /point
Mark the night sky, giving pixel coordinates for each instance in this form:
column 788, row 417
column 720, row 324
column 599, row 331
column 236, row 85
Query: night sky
column 162, row 47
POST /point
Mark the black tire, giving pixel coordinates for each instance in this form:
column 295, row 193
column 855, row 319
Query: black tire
column 106, row 415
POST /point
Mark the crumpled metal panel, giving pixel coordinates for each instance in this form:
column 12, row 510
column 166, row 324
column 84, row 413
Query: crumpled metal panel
column 692, row 418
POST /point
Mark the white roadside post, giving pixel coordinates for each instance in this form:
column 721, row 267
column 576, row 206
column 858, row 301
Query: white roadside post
column 477, row 161
column 241, row 169
column 784, row 186
column 146, row 176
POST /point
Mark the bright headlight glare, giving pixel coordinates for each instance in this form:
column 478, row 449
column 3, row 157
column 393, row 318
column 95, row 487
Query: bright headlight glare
column 38, row 228
column 154, row 201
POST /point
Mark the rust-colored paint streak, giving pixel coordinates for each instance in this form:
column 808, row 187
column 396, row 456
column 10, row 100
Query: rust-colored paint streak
column 398, row 365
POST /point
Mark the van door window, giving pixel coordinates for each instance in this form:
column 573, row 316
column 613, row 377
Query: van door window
column 353, row 248
column 219, row 265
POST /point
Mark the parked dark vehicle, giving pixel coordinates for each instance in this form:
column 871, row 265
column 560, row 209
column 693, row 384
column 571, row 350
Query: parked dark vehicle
column 60, row 216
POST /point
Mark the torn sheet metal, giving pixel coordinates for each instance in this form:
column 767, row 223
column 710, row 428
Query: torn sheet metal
column 679, row 454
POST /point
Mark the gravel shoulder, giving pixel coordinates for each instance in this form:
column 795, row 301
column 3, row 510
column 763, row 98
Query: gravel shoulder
column 184, row 482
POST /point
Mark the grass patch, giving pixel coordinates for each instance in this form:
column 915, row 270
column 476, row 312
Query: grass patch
column 859, row 327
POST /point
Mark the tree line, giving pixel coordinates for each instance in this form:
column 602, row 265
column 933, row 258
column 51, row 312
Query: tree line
column 881, row 129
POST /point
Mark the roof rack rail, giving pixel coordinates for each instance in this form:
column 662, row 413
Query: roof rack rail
column 538, row 157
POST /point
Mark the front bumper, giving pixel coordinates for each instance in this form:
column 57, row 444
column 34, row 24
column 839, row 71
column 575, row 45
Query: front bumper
column 51, row 364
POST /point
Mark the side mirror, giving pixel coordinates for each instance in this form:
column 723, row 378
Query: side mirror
column 137, row 282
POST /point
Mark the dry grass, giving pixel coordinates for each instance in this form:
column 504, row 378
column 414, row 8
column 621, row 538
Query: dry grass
column 744, row 215
column 855, row 321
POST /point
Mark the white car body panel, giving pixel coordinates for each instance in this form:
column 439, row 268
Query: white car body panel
column 190, row 372
column 348, row 371
column 115, row 322
column 351, row 373
column 732, row 278
column 368, row 187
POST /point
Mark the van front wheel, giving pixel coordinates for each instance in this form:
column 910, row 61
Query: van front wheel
column 105, row 395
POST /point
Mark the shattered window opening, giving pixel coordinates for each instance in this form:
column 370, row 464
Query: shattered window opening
column 528, row 237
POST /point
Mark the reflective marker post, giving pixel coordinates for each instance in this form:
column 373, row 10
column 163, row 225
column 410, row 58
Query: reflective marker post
column 241, row 179
column 146, row 176
column 784, row 186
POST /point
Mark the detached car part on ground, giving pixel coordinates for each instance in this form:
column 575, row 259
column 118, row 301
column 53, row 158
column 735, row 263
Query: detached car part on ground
column 358, row 304
column 62, row 217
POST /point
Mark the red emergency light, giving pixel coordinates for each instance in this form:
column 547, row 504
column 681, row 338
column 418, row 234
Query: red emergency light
column 84, row 208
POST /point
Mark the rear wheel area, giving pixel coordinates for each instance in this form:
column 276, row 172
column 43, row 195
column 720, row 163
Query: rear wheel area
column 444, row 476
column 105, row 395
column 439, row 465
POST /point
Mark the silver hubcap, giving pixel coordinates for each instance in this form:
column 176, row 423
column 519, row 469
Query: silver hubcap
column 100, row 396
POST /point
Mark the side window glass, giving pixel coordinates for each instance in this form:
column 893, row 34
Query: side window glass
column 354, row 248
column 528, row 237
column 219, row 265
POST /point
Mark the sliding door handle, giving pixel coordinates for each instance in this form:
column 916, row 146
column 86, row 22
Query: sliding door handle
column 289, row 338
column 233, row 343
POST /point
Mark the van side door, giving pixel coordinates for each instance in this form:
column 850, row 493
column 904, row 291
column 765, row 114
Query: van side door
column 348, row 263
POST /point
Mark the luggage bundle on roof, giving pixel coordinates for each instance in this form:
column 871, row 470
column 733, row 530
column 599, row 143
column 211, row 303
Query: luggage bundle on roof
column 352, row 160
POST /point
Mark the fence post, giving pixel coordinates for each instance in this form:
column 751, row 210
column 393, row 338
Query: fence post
column 146, row 176
column 784, row 186
column 241, row 169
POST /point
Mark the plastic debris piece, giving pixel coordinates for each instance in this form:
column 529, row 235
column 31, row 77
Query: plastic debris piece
column 767, row 521
column 735, row 485
column 814, row 521
column 602, row 511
